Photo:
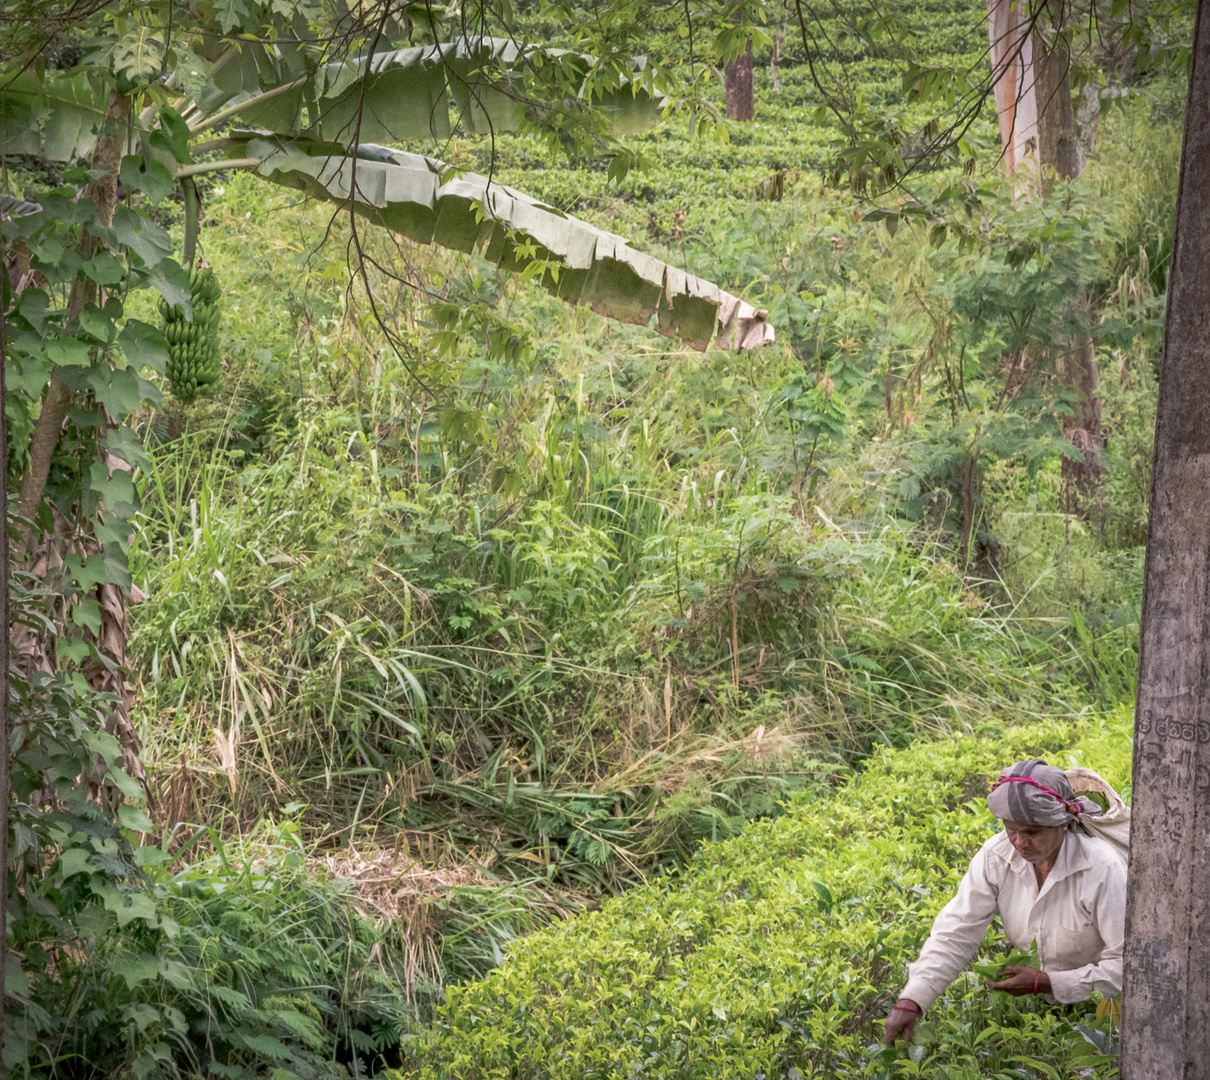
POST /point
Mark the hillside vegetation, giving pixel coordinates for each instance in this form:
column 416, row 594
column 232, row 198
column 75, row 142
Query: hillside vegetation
column 530, row 696
column 777, row 952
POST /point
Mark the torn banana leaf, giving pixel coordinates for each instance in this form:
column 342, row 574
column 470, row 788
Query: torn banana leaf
column 56, row 116
column 473, row 85
column 427, row 202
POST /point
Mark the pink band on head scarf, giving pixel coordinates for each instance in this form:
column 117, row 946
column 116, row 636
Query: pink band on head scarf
column 1034, row 793
column 1073, row 807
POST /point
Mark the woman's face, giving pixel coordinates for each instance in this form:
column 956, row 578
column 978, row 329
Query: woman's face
column 1035, row 843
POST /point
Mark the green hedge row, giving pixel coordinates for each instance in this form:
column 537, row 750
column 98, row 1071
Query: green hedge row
column 777, row 953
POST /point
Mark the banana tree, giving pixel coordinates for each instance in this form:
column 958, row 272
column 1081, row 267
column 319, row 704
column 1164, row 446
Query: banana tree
column 317, row 128
column 155, row 106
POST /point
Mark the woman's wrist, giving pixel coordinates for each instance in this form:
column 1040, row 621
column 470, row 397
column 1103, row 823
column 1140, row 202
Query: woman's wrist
column 908, row 1005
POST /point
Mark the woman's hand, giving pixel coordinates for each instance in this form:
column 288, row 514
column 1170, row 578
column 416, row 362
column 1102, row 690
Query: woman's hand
column 902, row 1021
column 1021, row 981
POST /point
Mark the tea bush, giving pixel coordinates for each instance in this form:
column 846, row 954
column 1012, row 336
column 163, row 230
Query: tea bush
column 777, row 953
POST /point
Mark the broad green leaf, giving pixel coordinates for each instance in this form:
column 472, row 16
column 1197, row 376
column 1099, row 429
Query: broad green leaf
column 117, row 389
column 34, row 308
column 150, row 855
column 25, row 375
column 56, row 116
column 97, row 325
column 407, row 194
column 171, row 281
column 134, row 818
column 151, row 177
column 87, row 615
column 15, row 980
column 104, row 269
column 175, row 133
column 86, row 572
column 114, row 488
column 139, row 1014
column 75, row 649
column 141, row 235
column 410, row 93
column 230, row 13
column 138, row 57
column 74, row 860
column 123, row 443
column 126, row 905
column 68, row 352
column 144, row 345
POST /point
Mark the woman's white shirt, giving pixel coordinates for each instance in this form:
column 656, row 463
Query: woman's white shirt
column 1077, row 917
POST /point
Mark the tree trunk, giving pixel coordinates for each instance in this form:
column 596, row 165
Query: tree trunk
column 738, row 78
column 103, row 193
column 1013, row 81
column 1033, row 99
column 1084, row 480
column 1033, row 94
column 1058, row 147
column 1166, row 1013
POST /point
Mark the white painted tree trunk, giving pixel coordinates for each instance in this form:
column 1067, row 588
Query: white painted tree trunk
column 1013, row 76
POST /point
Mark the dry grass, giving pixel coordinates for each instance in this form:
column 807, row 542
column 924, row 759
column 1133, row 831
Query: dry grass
column 419, row 904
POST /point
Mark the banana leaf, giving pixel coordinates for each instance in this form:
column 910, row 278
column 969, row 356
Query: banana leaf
column 472, row 85
column 424, row 200
column 404, row 94
column 57, row 117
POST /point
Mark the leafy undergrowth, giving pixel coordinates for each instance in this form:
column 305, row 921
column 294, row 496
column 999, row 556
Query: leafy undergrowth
column 224, row 966
column 777, row 953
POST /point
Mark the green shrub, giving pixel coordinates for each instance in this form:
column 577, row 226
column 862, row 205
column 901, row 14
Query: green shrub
column 225, row 968
column 778, row 952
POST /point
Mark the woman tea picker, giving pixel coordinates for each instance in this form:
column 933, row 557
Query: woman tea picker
column 1051, row 880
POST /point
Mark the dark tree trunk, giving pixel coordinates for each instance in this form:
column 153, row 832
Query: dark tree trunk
column 1166, row 1013
column 103, row 193
column 1059, row 158
column 1058, row 146
column 1084, row 480
column 738, row 78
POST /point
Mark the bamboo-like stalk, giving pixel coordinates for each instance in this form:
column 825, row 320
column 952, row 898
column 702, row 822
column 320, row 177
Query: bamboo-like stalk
column 226, row 114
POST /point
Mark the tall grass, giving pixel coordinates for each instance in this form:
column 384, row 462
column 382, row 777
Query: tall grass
column 580, row 602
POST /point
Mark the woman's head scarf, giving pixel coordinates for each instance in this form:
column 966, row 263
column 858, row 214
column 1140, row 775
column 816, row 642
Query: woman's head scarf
column 1034, row 793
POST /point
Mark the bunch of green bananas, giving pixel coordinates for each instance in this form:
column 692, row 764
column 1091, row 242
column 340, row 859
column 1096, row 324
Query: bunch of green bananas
column 193, row 344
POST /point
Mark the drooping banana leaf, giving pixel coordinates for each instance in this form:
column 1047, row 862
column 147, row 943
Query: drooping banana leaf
column 422, row 199
column 473, row 85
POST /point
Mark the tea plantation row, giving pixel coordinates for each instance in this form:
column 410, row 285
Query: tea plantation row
column 777, row 953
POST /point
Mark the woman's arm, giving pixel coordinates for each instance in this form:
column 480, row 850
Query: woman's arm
column 956, row 935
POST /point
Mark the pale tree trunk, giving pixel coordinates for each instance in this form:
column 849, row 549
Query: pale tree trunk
column 1166, row 1011
column 1013, row 81
column 738, row 79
